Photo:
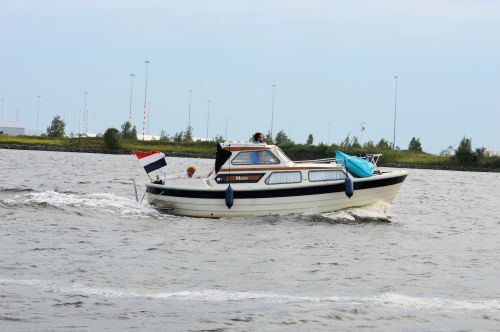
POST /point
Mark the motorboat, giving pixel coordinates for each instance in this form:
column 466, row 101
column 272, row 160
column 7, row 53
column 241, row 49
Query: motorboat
column 259, row 179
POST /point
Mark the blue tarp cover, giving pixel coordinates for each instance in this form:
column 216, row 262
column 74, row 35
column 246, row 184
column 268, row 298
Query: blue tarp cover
column 358, row 166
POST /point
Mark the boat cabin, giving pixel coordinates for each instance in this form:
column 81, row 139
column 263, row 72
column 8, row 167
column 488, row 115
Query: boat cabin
column 250, row 163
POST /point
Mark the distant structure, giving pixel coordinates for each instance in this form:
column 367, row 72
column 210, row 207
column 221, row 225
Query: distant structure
column 492, row 153
column 146, row 137
column 448, row 152
column 11, row 128
column 362, row 129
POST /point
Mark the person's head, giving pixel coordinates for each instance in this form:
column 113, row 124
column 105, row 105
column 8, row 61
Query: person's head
column 190, row 171
column 258, row 137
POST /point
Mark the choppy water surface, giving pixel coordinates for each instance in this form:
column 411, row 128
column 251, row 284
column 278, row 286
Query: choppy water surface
column 78, row 253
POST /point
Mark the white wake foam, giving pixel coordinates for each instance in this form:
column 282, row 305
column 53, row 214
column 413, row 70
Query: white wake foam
column 339, row 216
column 393, row 300
column 404, row 301
column 104, row 202
column 377, row 211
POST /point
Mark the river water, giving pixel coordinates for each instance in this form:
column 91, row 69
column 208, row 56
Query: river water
column 78, row 253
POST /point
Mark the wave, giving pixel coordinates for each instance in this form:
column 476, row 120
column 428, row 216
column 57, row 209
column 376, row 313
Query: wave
column 376, row 212
column 104, row 202
column 15, row 190
column 113, row 204
column 392, row 300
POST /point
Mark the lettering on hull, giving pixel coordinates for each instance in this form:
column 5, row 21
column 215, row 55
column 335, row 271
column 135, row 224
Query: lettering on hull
column 239, row 178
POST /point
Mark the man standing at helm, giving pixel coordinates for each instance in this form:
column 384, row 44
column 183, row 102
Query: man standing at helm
column 258, row 138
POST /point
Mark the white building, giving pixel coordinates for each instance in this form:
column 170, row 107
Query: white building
column 148, row 137
column 11, row 128
column 448, row 152
column 492, row 153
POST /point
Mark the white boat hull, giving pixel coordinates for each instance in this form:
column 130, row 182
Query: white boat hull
column 287, row 199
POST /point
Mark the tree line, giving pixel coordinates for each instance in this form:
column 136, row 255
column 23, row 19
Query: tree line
column 464, row 154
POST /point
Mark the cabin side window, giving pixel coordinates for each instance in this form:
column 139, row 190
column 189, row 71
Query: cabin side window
column 284, row 177
column 255, row 158
column 326, row 175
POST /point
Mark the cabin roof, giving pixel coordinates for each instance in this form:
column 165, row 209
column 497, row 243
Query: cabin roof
column 242, row 146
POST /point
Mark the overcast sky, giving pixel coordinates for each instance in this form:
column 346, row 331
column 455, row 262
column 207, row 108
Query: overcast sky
column 333, row 63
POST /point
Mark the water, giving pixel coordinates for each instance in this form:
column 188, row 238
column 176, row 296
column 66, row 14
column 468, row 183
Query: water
column 78, row 253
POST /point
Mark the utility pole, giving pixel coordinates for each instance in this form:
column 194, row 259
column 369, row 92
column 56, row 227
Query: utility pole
column 149, row 114
column 37, row 111
column 130, row 107
column 272, row 112
column 208, row 116
column 85, row 114
column 225, row 132
column 395, row 112
column 189, row 109
column 145, row 99
column 329, row 130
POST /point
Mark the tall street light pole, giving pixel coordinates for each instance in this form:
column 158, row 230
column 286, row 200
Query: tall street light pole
column 145, row 99
column 329, row 130
column 208, row 116
column 37, row 111
column 149, row 113
column 85, row 114
column 189, row 109
column 272, row 112
column 225, row 131
column 395, row 112
column 77, row 121
column 130, row 106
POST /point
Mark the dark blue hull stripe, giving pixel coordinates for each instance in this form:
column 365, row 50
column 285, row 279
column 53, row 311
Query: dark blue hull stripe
column 268, row 193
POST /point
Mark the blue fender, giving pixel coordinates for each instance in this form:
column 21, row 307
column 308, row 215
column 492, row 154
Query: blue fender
column 229, row 197
column 348, row 186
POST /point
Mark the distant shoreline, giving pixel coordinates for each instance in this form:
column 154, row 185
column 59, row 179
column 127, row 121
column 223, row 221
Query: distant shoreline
column 56, row 148
column 443, row 168
column 61, row 148
column 188, row 152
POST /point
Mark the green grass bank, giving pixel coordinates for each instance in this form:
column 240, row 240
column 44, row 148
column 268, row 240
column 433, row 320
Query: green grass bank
column 390, row 158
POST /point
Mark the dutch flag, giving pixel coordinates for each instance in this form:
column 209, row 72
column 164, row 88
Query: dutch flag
column 151, row 160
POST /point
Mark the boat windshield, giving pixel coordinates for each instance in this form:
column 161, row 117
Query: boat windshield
column 255, row 157
column 281, row 154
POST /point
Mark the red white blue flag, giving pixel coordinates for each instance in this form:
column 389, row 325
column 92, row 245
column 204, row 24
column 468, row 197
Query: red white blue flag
column 151, row 160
